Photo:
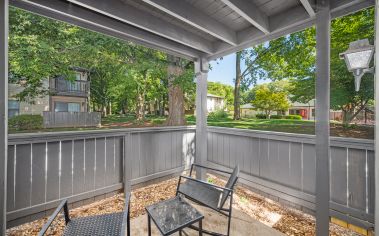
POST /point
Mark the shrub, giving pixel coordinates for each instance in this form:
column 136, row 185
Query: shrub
column 276, row 117
column 218, row 114
column 293, row 117
column 261, row 116
column 26, row 122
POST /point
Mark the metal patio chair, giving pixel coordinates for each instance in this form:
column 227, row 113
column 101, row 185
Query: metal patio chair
column 108, row 224
column 209, row 195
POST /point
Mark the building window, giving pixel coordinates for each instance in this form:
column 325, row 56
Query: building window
column 13, row 108
column 67, row 107
column 313, row 112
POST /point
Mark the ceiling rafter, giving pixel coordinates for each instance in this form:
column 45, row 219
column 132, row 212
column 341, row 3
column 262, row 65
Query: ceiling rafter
column 66, row 12
column 192, row 16
column 250, row 12
column 309, row 7
column 131, row 15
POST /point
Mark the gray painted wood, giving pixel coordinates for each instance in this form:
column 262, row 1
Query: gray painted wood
column 295, row 166
column 132, row 15
column 201, row 72
column 4, row 25
column 79, row 165
column 11, row 179
column 23, row 176
column 189, row 14
column 339, row 175
column 90, row 157
column 71, row 119
column 52, row 172
column 250, row 12
column 290, row 167
column 100, row 164
column 110, row 161
column 39, row 173
column 357, row 181
column 66, row 184
column 323, row 18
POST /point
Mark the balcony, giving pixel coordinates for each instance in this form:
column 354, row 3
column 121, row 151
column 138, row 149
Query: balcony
column 63, row 87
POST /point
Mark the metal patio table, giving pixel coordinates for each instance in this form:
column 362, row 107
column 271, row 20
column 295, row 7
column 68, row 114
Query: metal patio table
column 173, row 215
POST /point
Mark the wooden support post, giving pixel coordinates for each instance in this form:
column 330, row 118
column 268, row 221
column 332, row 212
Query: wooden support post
column 376, row 114
column 3, row 112
column 127, row 163
column 322, row 116
column 201, row 71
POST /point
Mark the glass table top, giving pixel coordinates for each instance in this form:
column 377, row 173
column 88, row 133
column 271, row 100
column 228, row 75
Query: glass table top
column 172, row 214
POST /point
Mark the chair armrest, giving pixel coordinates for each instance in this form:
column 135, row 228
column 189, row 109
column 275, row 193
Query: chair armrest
column 205, row 183
column 209, row 168
column 126, row 216
column 46, row 226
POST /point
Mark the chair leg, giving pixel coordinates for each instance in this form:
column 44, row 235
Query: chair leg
column 230, row 213
column 148, row 225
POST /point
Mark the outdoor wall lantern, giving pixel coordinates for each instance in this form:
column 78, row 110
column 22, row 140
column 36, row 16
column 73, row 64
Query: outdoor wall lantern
column 358, row 58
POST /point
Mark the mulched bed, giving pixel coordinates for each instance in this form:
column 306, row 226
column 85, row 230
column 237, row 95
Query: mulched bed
column 289, row 221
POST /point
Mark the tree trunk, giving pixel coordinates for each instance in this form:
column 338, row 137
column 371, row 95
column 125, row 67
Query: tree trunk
column 350, row 113
column 140, row 112
column 175, row 94
column 237, row 88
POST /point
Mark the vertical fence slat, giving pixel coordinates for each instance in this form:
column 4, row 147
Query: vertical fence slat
column 295, row 166
column 264, row 161
column 89, row 179
column 119, row 160
column 357, row 179
column 23, row 175
column 66, row 169
column 10, row 178
column 79, row 177
column 52, row 184
column 39, row 171
column 309, row 168
column 371, row 180
column 283, row 162
column 100, row 163
column 338, row 177
column 135, row 155
column 109, row 160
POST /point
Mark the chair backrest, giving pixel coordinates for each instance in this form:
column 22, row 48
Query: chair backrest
column 230, row 184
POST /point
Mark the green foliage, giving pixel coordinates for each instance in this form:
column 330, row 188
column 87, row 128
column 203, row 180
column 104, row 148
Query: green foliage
column 123, row 75
column 276, row 117
column 261, row 116
column 25, row 122
column 293, row 57
column 270, row 97
column 218, row 114
column 293, row 117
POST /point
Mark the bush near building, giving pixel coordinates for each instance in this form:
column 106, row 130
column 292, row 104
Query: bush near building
column 25, row 122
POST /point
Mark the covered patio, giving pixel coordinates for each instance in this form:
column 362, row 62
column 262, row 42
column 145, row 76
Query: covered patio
column 200, row 31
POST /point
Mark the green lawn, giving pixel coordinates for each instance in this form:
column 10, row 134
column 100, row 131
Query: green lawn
column 288, row 126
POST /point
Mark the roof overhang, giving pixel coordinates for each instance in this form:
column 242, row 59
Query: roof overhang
column 182, row 28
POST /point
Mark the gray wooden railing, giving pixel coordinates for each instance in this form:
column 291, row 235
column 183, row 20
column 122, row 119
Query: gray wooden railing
column 47, row 167
column 284, row 166
column 71, row 119
column 44, row 168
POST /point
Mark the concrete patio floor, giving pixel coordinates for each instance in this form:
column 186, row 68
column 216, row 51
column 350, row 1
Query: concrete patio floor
column 242, row 224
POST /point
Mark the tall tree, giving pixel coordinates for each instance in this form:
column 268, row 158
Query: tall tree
column 237, row 87
column 180, row 75
column 271, row 97
column 293, row 57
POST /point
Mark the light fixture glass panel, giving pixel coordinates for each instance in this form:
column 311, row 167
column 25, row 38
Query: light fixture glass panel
column 359, row 59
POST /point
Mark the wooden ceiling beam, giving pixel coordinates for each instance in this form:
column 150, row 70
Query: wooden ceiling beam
column 192, row 16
